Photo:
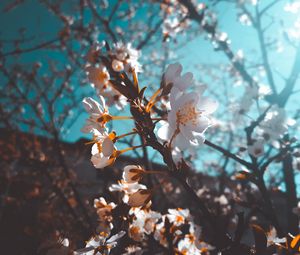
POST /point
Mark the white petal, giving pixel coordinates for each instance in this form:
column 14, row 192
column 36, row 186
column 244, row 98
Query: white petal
column 207, row 105
column 164, row 132
column 99, row 161
column 107, row 147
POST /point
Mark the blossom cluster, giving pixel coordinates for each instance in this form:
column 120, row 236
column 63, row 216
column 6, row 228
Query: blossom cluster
column 173, row 121
column 178, row 125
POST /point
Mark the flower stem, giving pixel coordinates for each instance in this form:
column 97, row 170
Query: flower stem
column 122, row 117
column 131, row 148
column 127, row 134
column 154, row 172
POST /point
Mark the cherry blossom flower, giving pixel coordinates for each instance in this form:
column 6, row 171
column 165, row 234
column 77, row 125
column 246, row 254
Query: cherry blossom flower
column 171, row 27
column 274, row 124
column 100, row 244
column 117, row 65
column 172, row 72
column 127, row 188
column 104, row 152
column 139, row 198
column 257, row 148
column 272, row 237
column 133, row 250
column 187, row 120
column 178, row 216
column 98, row 115
column 98, row 76
column 125, row 57
column 104, row 209
column 245, row 20
column 133, row 173
column 143, row 223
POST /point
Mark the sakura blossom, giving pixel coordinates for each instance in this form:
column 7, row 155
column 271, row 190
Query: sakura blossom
column 256, row 149
column 103, row 151
column 98, row 76
column 133, row 173
column 98, row 114
column 100, row 243
column 188, row 119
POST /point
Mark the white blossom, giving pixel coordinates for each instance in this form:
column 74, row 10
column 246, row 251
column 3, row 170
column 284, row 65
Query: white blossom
column 187, row 120
column 257, row 148
column 101, row 242
column 97, row 112
column 103, row 151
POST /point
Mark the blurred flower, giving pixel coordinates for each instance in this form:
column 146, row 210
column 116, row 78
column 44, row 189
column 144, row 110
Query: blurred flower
column 100, row 244
column 257, row 148
column 143, row 223
column 125, row 57
column 104, row 209
column 293, row 7
column 127, row 188
column 272, row 237
column 274, row 124
column 171, row 27
column 117, row 65
column 133, row 173
column 245, row 20
column 98, row 76
column 139, row 198
column 172, row 72
column 178, row 216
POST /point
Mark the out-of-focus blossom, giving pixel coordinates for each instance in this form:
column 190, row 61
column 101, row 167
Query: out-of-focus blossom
column 178, row 216
column 292, row 7
column 172, row 72
column 144, row 223
column 294, row 31
column 171, row 27
column 274, row 124
column 242, row 2
column 245, row 20
column 101, row 244
column 133, row 250
column 272, row 237
column 98, row 76
column 127, row 188
column 125, row 57
column 133, row 173
column 257, row 148
column 139, row 198
column 117, row 65
column 104, row 209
